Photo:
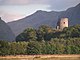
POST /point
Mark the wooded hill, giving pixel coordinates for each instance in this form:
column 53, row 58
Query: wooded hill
column 44, row 40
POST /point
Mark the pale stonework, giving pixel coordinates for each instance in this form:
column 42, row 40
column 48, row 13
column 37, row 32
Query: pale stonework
column 62, row 23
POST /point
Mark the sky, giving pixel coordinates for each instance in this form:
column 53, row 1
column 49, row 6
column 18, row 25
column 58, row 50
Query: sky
column 11, row 10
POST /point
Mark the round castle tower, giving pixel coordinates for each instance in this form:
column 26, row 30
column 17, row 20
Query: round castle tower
column 62, row 23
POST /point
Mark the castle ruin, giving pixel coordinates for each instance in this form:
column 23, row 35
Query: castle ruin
column 62, row 23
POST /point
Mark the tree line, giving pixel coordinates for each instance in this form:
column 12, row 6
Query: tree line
column 46, row 33
column 45, row 40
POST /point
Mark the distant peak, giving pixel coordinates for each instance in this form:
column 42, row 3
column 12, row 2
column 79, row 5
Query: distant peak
column 0, row 18
column 78, row 5
column 40, row 11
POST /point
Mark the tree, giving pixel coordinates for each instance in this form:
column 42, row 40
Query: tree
column 44, row 32
column 73, row 31
column 4, row 48
column 17, row 48
column 33, row 48
column 27, row 35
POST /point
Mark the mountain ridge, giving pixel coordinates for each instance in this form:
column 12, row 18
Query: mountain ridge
column 46, row 18
column 6, row 32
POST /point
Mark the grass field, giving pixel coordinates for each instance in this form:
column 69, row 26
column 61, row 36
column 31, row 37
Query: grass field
column 41, row 57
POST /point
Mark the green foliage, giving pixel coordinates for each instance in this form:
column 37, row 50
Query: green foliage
column 73, row 31
column 33, row 48
column 54, row 46
column 18, row 47
column 44, row 32
column 27, row 35
column 4, row 46
column 44, row 40
column 13, row 48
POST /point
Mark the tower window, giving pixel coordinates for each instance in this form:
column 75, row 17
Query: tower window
column 64, row 22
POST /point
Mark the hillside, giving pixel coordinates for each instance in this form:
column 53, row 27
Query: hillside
column 45, row 18
column 5, row 32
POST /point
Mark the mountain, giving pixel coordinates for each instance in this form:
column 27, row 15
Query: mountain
column 5, row 32
column 46, row 18
column 73, row 14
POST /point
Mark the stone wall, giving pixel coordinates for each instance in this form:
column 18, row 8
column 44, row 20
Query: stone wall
column 62, row 23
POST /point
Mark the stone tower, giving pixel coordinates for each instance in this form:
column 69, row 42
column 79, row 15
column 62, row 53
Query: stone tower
column 62, row 23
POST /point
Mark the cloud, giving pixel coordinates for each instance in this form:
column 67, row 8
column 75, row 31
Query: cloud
column 13, row 2
column 62, row 4
column 7, row 17
column 54, row 4
column 29, row 6
column 10, row 13
column 39, row 1
column 22, row 2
